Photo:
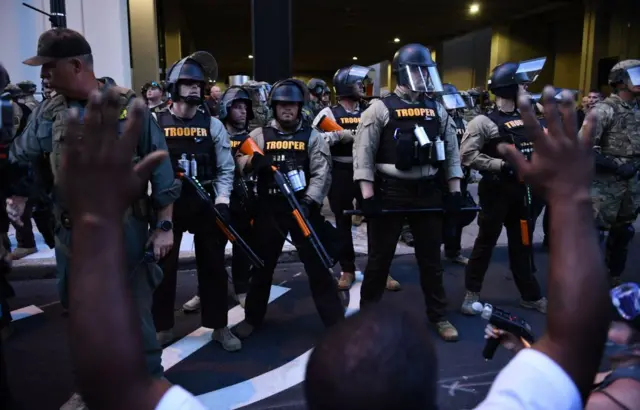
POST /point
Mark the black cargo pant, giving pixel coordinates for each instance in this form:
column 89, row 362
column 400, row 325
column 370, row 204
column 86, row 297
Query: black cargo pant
column 272, row 223
column 383, row 233
column 209, row 244
column 6, row 401
column 341, row 195
column 502, row 203
column 241, row 220
column 452, row 229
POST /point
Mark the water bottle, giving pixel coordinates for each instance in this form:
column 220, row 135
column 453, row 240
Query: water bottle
column 421, row 136
column 183, row 163
column 193, row 166
column 440, row 155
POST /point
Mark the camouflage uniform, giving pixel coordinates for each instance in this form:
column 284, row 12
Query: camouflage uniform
column 27, row 98
column 262, row 114
column 615, row 193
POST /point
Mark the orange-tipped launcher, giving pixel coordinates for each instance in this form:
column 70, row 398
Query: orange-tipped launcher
column 249, row 147
column 326, row 124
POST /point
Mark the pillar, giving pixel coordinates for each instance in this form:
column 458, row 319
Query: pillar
column 105, row 25
column 144, row 42
column 20, row 28
column 171, row 18
column 272, row 50
column 588, row 54
column 500, row 49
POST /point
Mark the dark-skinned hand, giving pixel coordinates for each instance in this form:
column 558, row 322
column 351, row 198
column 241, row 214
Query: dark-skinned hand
column 98, row 178
column 562, row 165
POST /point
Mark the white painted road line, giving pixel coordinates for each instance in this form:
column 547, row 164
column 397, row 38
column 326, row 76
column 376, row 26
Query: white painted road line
column 25, row 312
column 274, row 381
column 185, row 347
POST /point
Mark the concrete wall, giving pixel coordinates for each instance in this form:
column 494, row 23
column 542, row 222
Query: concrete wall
column 144, row 41
column 464, row 60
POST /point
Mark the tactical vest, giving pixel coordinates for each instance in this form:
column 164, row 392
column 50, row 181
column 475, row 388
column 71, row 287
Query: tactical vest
column 191, row 137
column 236, row 141
column 348, row 121
column 512, row 131
column 460, row 128
column 622, row 139
column 398, row 143
column 289, row 152
column 56, row 112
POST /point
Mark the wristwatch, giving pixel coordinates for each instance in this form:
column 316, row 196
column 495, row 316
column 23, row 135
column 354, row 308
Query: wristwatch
column 166, row 226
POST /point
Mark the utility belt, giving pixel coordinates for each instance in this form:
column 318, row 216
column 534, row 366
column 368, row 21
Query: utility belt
column 497, row 177
column 414, row 148
column 343, row 166
column 409, row 193
column 139, row 209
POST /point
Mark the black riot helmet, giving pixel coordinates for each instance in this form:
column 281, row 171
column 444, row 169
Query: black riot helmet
column 107, row 81
column 415, row 69
column 289, row 90
column 199, row 67
column 4, row 78
column 316, row 87
column 234, row 93
column 451, row 98
column 352, row 81
column 507, row 77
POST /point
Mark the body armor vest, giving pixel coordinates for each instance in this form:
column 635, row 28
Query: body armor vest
column 398, row 143
column 243, row 185
column 288, row 152
column 56, row 112
column 622, row 139
column 460, row 128
column 512, row 131
column 191, row 137
column 348, row 121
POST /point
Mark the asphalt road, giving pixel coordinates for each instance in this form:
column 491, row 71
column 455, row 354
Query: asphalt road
column 267, row 373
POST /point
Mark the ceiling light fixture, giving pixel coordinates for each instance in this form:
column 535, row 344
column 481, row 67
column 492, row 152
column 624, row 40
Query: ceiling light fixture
column 355, row 58
column 474, row 8
column 396, row 40
column 250, row 56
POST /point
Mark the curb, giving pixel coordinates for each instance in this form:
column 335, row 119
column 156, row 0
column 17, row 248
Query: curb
column 34, row 269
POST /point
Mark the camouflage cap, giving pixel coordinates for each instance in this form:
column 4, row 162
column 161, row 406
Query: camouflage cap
column 59, row 43
column 624, row 64
column 13, row 90
column 28, row 87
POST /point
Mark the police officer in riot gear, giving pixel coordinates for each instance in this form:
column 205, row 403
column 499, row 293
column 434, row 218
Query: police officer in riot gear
column 404, row 141
column 452, row 234
column 317, row 92
column 616, row 189
column 293, row 147
column 502, row 195
column 235, row 113
column 199, row 145
column 350, row 84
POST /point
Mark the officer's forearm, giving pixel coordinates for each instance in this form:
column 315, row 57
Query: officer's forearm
column 454, row 185
column 165, row 214
column 366, row 187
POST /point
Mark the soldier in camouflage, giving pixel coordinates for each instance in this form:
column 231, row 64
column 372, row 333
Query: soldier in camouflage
column 616, row 190
column 262, row 115
column 317, row 92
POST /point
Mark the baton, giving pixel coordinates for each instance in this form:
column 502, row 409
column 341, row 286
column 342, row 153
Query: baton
column 410, row 211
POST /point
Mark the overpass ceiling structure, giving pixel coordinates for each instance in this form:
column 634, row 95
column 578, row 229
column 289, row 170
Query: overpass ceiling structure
column 327, row 34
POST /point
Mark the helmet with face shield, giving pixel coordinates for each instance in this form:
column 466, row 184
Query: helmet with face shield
column 506, row 78
column 451, row 98
column 353, row 81
column 415, row 69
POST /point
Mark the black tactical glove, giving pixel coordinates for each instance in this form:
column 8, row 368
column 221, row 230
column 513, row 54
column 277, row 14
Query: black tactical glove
column 626, row 171
column 371, row 207
column 224, row 212
column 308, row 205
column 260, row 163
column 507, row 170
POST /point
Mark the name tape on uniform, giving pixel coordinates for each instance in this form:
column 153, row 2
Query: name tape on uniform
column 286, row 145
column 415, row 112
column 185, row 132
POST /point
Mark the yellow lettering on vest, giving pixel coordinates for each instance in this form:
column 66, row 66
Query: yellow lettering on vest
column 429, row 112
column 514, row 124
column 234, row 143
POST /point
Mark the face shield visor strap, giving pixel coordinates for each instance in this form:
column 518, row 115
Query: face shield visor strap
column 529, row 70
column 453, row 101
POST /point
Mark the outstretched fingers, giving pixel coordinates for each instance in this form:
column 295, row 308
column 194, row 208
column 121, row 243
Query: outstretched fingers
column 132, row 128
column 515, row 158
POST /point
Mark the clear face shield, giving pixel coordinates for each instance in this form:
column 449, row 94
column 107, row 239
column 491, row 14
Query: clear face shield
column 421, row 78
column 529, row 70
column 453, row 101
column 633, row 77
column 362, row 79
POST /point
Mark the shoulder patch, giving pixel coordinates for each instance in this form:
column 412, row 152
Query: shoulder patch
column 123, row 114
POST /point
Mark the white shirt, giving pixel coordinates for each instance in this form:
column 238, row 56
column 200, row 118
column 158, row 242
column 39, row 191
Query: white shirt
column 532, row 381
column 177, row 398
